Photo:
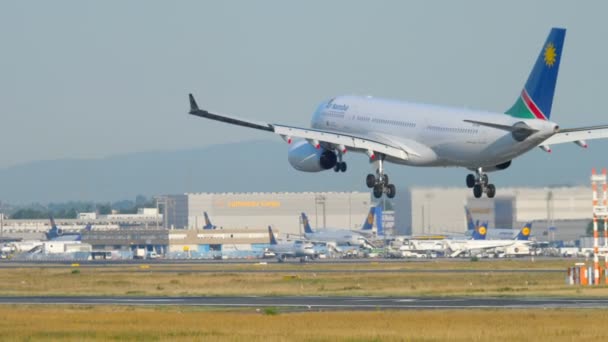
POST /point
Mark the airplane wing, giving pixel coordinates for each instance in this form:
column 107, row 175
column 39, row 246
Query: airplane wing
column 287, row 132
column 578, row 134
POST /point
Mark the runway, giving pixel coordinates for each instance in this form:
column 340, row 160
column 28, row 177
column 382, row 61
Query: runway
column 326, row 303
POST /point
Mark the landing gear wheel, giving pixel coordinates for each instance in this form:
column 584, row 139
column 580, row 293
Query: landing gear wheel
column 343, row 166
column 470, row 180
column 491, row 191
column 370, row 180
column 378, row 189
column 484, row 179
column 337, row 167
column 390, row 191
column 477, row 191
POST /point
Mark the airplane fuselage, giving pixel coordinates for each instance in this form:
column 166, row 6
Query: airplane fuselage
column 435, row 135
column 295, row 250
column 340, row 237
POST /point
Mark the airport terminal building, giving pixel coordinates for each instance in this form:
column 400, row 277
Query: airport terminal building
column 258, row 210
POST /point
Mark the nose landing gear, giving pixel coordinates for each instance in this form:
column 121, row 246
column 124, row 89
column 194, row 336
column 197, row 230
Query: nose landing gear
column 479, row 182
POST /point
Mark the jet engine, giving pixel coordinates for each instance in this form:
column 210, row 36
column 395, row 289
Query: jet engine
column 305, row 157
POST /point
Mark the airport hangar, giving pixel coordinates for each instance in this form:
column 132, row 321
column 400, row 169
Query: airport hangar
column 281, row 210
column 557, row 213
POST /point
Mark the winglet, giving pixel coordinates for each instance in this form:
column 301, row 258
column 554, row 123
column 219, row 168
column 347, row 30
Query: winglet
column 193, row 105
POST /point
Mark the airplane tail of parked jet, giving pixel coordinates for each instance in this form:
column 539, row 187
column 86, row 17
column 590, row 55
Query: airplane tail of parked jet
column 273, row 240
column 524, row 233
column 379, row 223
column 368, row 224
column 54, row 232
column 208, row 224
column 480, row 232
column 470, row 224
column 536, row 98
column 306, row 223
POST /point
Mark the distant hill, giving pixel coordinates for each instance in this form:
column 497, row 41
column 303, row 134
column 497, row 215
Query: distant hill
column 257, row 166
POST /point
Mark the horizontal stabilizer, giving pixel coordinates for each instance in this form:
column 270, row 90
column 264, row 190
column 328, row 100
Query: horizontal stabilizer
column 504, row 127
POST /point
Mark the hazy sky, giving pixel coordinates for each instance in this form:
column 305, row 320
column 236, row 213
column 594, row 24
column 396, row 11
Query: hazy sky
column 97, row 78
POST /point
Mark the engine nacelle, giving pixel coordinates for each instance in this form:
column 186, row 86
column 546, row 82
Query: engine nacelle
column 305, row 157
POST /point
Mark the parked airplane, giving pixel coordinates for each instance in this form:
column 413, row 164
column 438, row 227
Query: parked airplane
column 461, row 246
column 414, row 134
column 208, row 224
column 298, row 249
column 57, row 233
column 497, row 233
column 341, row 236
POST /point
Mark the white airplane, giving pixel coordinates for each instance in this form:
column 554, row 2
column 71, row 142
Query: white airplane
column 298, row 249
column 460, row 246
column 495, row 233
column 415, row 134
column 342, row 236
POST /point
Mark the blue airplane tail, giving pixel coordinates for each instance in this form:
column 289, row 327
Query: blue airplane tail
column 368, row 224
column 470, row 225
column 379, row 224
column 54, row 232
column 208, row 224
column 306, row 223
column 524, row 233
column 536, row 98
column 480, row 232
column 273, row 240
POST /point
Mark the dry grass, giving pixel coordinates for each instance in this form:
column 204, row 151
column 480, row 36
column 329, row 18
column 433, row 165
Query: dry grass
column 153, row 324
column 183, row 280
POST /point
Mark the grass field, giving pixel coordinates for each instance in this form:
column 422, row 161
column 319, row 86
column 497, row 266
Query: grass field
column 310, row 279
column 22, row 323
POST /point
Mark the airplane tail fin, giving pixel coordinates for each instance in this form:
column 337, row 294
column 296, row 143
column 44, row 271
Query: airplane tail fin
column 208, row 224
column 368, row 224
column 480, row 232
column 306, row 223
column 524, row 233
column 88, row 227
column 273, row 240
column 379, row 223
column 54, row 231
column 470, row 225
column 536, row 98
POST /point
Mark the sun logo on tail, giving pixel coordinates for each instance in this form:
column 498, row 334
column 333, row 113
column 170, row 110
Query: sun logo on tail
column 550, row 55
column 525, row 231
column 370, row 218
column 482, row 230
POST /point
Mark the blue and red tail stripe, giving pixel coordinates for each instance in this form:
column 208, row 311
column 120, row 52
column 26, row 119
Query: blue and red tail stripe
column 532, row 107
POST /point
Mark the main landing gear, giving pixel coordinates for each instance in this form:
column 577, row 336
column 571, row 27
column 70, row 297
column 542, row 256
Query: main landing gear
column 479, row 183
column 340, row 165
column 379, row 182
